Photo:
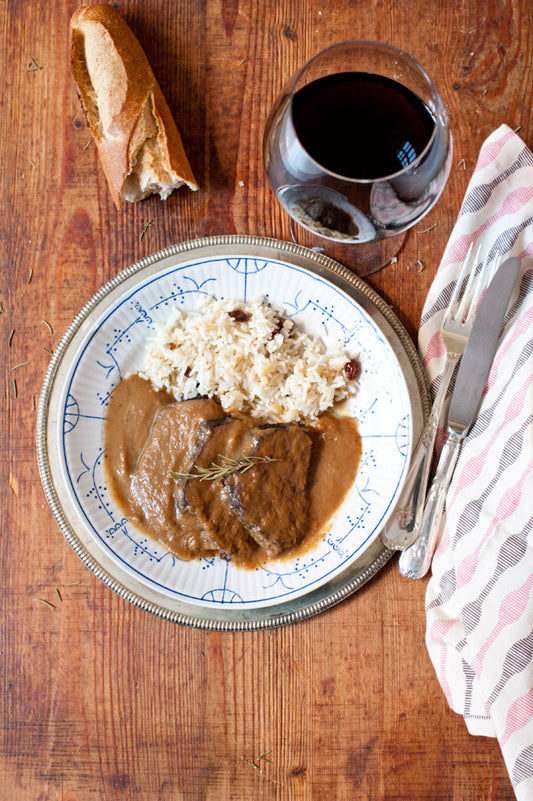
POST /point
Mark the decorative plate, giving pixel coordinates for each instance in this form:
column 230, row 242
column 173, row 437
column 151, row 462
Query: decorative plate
column 106, row 342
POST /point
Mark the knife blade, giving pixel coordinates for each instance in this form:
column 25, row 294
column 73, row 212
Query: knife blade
column 469, row 385
column 481, row 346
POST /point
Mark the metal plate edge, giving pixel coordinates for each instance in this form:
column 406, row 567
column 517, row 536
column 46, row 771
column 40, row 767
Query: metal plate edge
column 329, row 594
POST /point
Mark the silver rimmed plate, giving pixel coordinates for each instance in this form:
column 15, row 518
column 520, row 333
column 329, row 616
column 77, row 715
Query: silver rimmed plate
column 105, row 342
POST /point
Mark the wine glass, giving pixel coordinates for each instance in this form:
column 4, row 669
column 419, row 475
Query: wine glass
column 358, row 149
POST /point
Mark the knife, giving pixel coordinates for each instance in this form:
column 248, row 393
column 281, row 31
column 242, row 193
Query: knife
column 473, row 372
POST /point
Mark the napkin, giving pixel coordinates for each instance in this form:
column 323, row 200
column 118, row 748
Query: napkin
column 479, row 599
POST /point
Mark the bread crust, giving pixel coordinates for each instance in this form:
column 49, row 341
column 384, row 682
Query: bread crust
column 126, row 93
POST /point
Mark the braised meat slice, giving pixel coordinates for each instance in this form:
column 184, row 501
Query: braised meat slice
column 208, row 500
column 270, row 498
column 168, row 449
column 133, row 407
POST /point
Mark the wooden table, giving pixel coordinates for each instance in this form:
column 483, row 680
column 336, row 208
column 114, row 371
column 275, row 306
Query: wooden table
column 101, row 700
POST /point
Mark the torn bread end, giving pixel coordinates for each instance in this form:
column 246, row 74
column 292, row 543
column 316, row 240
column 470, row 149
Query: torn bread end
column 150, row 170
column 138, row 142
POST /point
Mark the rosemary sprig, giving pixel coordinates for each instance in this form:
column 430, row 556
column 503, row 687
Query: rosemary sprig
column 427, row 230
column 145, row 227
column 45, row 602
column 253, row 762
column 33, row 66
column 225, row 468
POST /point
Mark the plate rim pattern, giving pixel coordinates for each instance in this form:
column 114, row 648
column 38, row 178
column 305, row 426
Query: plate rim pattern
column 356, row 575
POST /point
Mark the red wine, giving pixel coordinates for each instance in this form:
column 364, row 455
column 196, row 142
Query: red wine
column 360, row 125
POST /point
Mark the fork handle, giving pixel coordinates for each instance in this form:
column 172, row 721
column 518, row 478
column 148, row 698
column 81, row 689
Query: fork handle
column 402, row 528
column 414, row 562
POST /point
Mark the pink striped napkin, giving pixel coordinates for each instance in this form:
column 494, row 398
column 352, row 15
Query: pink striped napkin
column 479, row 600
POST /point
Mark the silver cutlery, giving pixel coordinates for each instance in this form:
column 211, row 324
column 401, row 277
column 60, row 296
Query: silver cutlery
column 473, row 371
column 402, row 528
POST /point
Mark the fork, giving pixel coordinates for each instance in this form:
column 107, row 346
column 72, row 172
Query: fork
column 402, row 528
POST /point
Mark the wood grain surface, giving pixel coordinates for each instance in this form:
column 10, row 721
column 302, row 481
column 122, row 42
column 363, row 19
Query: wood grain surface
column 100, row 700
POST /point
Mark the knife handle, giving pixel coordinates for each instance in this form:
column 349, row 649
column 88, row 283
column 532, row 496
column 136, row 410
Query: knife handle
column 415, row 561
column 403, row 526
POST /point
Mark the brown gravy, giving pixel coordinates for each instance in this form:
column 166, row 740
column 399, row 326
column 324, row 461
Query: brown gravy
column 279, row 506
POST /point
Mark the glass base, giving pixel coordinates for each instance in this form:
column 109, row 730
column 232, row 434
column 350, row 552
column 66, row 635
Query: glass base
column 364, row 258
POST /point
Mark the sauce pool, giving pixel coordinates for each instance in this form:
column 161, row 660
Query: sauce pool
column 141, row 454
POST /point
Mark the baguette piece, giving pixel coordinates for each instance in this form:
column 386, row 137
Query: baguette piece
column 138, row 143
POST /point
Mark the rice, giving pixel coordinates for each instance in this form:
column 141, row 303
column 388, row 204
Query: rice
column 251, row 358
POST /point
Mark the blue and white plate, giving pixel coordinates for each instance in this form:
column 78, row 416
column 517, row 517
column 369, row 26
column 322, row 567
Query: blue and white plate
column 106, row 341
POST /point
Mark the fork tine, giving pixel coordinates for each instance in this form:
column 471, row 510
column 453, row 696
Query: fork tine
column 495, row 264
column 483, row 279
column 466, row 299
column 460, row 278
